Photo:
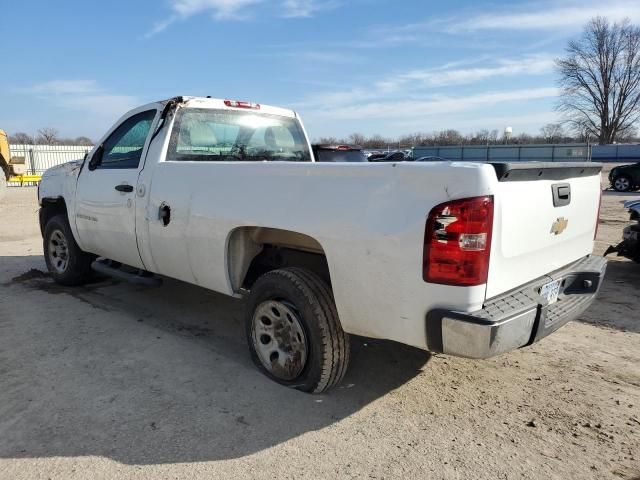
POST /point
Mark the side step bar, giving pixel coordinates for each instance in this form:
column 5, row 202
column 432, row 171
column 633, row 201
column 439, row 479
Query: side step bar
column 134, row 276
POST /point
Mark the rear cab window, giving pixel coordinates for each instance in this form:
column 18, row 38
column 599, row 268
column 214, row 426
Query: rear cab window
column 201, row 134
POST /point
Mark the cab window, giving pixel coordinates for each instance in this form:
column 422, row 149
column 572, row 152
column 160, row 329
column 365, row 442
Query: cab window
column 207, row 135
column 123, row 148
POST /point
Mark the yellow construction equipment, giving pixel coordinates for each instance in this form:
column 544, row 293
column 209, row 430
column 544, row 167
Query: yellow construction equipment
column 22, row 179
column 5, row 156
column 13, row 168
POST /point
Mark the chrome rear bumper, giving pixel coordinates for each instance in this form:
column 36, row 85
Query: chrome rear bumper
column 517, row 318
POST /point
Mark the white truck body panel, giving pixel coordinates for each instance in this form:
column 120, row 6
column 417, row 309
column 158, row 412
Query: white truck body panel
column 523, row 245
column 369, row 220
column 371, row 230
column 105, row 217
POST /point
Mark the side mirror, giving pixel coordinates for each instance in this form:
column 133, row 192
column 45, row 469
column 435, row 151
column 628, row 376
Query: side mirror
column 96, row 159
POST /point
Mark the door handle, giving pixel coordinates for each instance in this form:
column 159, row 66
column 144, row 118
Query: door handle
column 124, row 188
column 164, row 213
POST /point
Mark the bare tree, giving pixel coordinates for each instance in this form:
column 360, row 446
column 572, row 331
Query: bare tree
column 449, row 137
column 356, row 139
column 84, row 141
column 410, row 139
column 552, row 132
column 481, row 137
column 377, row 141
column 21, row 138
column 48, row 136
column 520, row 139
column 600, row 80
column 328, row 141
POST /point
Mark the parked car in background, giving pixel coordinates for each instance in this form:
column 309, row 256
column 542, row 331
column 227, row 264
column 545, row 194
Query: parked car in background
column 431, row 158
column 625, row 177
column 389, row 157
column 630, row 245
column 373, row 156
column 338, row 153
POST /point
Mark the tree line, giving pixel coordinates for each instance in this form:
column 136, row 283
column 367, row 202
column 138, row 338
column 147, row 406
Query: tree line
column 551, row 133
column 47, row 136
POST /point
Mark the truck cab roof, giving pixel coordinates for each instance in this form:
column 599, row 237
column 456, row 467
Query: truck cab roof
column 227, row 104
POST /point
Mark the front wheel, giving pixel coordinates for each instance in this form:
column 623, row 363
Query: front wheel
column 622, row 183
column 67, row 263
column 293, row 330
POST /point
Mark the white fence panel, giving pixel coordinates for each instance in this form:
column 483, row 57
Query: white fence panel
column 38, row 158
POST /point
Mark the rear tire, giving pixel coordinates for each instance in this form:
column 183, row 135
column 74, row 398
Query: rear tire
column 293, row 331
column 622, row 183
column 66, row 262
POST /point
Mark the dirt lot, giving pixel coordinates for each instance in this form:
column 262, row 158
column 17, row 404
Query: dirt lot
column 109, row 381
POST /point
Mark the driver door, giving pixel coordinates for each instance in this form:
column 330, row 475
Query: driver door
column 106, row 191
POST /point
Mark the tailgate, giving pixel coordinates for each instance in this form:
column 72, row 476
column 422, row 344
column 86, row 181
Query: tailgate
column 545, row 218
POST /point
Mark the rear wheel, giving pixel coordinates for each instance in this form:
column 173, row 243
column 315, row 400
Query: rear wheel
column 293, row 331
column 622, row 183
column 67, row 263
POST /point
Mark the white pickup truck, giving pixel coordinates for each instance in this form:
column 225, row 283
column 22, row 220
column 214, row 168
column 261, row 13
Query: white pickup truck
column 466, row 259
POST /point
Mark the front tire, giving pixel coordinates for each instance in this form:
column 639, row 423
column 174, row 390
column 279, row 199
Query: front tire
column 66, row 262
column 622, row 183
column 293, row 331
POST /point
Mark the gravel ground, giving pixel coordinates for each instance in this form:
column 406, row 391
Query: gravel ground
column 109, row 381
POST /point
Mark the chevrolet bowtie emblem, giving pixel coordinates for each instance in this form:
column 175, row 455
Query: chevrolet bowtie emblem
column 559, row 226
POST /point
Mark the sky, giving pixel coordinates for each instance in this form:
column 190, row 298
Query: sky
column 386, row 67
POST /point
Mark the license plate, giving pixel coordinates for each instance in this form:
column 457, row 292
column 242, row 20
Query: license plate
column 550, row 291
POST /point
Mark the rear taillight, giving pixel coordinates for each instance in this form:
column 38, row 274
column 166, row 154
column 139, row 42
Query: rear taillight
column 457, row 242
column 240, row 104
column 595, row 234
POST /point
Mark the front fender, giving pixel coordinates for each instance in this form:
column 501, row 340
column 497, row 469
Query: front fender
column 59, row 181
column 58, row 186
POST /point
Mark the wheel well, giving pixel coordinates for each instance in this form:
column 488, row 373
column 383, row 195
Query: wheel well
column 254, row 251
column 49, row 208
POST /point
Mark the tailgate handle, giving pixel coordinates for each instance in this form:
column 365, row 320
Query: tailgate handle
column 561, row 194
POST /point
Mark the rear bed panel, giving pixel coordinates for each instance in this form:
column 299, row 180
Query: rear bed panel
column 532, row 236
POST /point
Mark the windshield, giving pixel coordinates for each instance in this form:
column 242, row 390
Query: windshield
column 223, row 135
column 340, row 156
